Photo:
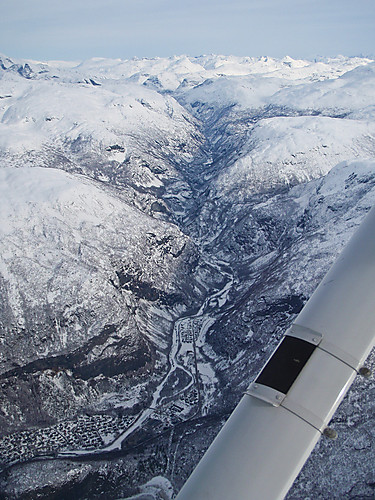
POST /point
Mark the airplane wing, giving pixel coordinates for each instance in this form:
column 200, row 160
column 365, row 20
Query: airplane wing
column 271, row 433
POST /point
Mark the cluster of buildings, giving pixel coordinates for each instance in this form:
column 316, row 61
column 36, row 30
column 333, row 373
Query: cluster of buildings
column 87, row 433
column 189, row 331
column 178, row 410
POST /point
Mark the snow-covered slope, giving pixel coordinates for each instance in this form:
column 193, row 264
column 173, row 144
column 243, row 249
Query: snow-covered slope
column 349, row 93
column 62, row 240
column 103, row 111
column 76, row 262
column 287, row 151
column 118, row 132
column 41, row 112
column 162, row 221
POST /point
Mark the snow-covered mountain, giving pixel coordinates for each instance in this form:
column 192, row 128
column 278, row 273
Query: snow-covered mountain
column 65, row 242
column 162, row 222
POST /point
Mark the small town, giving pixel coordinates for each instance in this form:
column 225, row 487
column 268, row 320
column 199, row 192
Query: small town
column 88, row 432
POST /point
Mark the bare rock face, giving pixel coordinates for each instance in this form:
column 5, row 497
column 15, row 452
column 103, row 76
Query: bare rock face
column 162, row 223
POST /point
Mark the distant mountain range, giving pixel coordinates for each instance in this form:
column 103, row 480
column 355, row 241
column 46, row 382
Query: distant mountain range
column 162, row 222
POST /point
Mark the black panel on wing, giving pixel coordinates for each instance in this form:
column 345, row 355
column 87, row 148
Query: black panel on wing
column 285, row 364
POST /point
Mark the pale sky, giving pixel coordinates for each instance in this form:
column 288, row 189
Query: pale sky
column 80, row 29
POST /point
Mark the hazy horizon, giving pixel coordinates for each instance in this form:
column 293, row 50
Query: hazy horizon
column 79, row 30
